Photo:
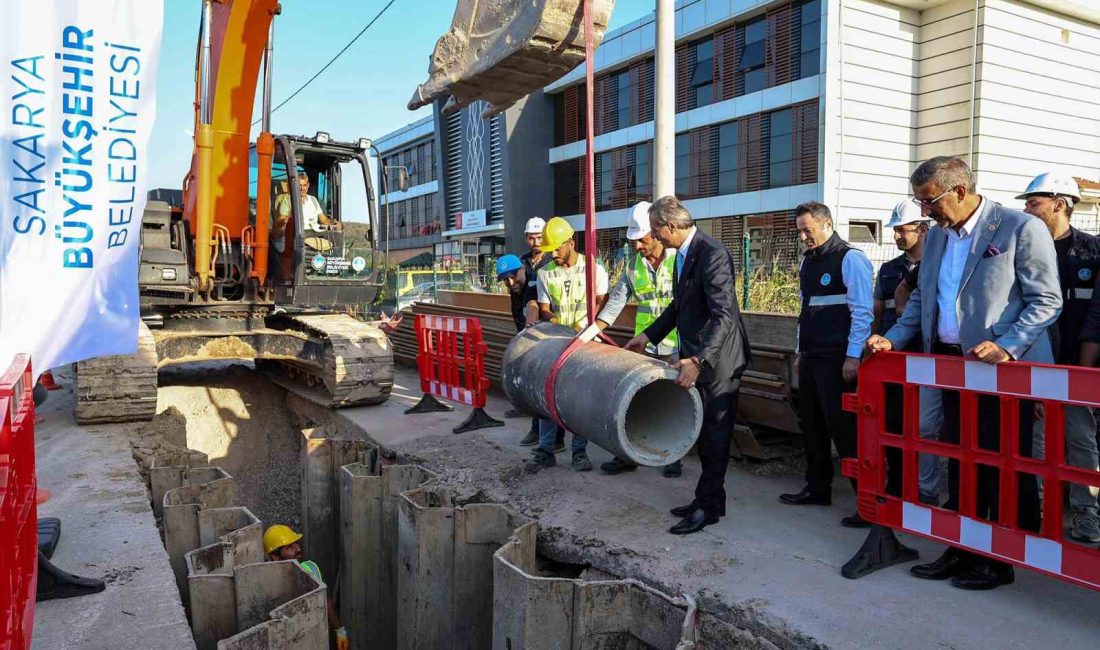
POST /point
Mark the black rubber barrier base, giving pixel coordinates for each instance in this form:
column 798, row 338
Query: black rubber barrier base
column 49, row 534
column 55, row 583
column 429, row 404
column 478, row 419
column 881, row 549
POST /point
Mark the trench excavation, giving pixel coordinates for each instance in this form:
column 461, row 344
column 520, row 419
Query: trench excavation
column 415, row 561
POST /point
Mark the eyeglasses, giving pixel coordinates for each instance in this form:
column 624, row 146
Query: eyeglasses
column 929, row 202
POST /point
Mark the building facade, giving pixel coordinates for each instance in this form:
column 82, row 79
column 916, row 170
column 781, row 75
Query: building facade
column 781, row 102
column 460, row 200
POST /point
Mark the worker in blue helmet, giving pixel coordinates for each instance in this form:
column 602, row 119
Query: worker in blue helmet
column 510, row 271
column 513, row 273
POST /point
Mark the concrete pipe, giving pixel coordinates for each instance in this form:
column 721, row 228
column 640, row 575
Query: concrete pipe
column 624, row 402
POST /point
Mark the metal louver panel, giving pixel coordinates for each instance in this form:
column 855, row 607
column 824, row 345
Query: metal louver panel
column 806, row 137
column 453, row 147
column 685, row 64
column 778, row 61
column 496, row 170
column 752, row 154
column 725, row 60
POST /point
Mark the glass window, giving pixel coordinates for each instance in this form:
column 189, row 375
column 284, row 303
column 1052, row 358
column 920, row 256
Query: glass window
column 626, row 96
column 727, row 158
column 811, row 12
column 781, row 122
column 780, row 149
column 755, row 80
column 704, row 95
column 643, row 172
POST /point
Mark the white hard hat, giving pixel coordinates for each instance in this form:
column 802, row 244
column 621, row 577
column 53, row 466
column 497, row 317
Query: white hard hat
column 535, row 226
column 905, row 212
column 638, row 224
column 1053, row 183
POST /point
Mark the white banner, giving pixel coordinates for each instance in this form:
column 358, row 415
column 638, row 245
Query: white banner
column 77, row 103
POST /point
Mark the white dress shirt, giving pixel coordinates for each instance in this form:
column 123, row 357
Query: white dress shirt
column 682, row 252
column 949, row 279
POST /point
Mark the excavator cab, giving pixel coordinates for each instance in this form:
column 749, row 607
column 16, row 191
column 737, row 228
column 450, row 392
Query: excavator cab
column 322, row 249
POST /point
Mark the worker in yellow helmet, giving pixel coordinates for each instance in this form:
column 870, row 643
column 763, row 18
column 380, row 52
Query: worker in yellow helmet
column 281, row 543
column 562, row 298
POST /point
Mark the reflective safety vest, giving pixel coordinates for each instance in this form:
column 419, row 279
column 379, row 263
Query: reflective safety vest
column 310, row 567
column 565, row 286
column 653, row 297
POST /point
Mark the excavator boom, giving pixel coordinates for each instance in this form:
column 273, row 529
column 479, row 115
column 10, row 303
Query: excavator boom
column 503, row 50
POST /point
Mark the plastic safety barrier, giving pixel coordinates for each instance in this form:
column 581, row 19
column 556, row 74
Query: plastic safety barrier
column 450, row 357
column 18, row 506
column 1053, row 386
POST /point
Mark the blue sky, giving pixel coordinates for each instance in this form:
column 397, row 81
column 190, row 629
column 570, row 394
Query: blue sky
column 363, row 94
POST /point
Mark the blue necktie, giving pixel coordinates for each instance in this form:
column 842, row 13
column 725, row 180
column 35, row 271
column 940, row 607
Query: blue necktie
column 679, row 264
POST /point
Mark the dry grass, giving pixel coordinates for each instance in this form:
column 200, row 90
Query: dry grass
column 773, row 289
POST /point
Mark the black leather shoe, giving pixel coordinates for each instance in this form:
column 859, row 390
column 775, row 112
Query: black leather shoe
column 683, row 511
column 952, row 563
column 855, row 521
column 693, row 523
column 807, row 498
column 617, row 466
column 984, row 575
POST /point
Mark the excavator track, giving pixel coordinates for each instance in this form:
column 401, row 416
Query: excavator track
column 119, row 388
column 356, row 363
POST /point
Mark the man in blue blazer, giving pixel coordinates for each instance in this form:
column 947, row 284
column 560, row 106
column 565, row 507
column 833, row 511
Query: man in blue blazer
column 988, row 289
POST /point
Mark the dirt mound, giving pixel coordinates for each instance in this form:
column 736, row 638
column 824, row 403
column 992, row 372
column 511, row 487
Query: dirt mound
column 162, row 442
column 240, row 421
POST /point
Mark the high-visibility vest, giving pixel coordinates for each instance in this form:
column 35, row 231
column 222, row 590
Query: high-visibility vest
column 310, row 567
column 565, row 286
column 653, row 298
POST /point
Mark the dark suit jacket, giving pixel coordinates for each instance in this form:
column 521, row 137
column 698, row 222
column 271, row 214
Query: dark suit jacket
column 704, row 311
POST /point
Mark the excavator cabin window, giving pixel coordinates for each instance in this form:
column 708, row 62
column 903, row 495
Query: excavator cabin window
column 310, row 239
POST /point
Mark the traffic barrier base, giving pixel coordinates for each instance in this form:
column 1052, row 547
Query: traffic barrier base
column 451, row 361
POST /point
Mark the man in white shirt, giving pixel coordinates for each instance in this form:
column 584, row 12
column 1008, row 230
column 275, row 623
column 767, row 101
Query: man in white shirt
column 314, row 220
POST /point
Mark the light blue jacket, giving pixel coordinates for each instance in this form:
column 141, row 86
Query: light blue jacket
column 1009, row 292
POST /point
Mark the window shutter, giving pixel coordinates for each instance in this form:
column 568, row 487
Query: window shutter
column 729, row 231
column 805, row 141
column 685, row 64
column 725, row 61
column 645, row 91
column 752, row 154
column 703, row 162
column 582, row 165
column 738, row 45
column 778, row 61
column 571, row 109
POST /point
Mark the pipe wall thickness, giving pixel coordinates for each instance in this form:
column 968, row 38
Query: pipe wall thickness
column 626, row 403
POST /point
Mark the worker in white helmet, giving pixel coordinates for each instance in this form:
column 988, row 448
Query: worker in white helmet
column 1050, row 197
column 897, row 278
column 647, row 280
column 534, row 261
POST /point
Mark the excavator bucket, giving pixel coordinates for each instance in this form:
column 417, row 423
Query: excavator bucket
column 502, row 50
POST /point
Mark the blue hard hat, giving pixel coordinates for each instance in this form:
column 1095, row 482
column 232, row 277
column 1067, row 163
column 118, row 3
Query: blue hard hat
column 508, row 264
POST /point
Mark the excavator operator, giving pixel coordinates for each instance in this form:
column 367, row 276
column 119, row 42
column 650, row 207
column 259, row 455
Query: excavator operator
column 314, row 221
column 281, row 543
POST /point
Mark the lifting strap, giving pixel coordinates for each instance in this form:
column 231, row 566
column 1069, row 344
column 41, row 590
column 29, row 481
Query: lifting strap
column 591, row 332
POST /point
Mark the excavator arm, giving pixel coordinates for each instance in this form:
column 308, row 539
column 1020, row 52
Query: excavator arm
column 232, row 42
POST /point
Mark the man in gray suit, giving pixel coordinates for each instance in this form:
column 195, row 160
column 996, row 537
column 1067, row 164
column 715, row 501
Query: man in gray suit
column 988, row 289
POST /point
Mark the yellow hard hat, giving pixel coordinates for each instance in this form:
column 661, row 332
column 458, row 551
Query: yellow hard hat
column 557, row 232
column 279, row 536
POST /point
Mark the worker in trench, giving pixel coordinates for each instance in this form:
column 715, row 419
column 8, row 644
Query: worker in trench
column 647, row 279
column 280, row 544
column 562, row 298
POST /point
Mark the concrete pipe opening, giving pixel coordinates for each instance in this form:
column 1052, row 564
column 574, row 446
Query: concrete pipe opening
column 653, row 430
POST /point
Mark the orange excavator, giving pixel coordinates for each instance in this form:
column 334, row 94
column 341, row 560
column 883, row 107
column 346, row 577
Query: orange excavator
column 255, row 261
